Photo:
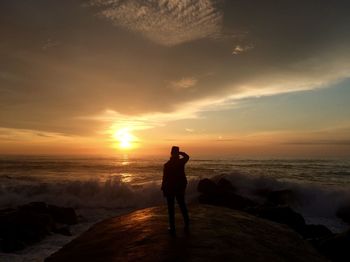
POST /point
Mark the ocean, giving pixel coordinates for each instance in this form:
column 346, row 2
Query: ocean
column 101, row 187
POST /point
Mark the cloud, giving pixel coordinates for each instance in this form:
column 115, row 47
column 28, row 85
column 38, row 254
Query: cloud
column 239, row 49
column 319, row 142
column 27, row 135
column 189, row 130
column 165, row 22
column 100, row 66
column 50, row 43
column 183, row 83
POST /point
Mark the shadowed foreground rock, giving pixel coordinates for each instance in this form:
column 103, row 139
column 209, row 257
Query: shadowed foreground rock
column 32, row 222
column 217, row 234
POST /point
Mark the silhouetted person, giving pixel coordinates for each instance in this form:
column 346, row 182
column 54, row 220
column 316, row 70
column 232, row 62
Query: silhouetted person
column 174, row 185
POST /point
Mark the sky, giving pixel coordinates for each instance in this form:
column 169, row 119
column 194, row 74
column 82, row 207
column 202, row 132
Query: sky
column 224, row 78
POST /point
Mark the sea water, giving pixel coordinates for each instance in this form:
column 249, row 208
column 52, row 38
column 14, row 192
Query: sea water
column 101, row 187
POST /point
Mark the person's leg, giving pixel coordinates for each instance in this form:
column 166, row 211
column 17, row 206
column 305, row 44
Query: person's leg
column 180, row 198
column 171, row 211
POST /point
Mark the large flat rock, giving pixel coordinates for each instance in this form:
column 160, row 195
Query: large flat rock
column 217, row 234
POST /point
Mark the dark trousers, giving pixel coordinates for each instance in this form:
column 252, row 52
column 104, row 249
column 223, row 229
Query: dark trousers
column 180, row 198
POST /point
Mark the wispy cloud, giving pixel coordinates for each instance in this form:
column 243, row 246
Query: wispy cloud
column 183, row 83
column 319, row 142
column 14, row 134
column 239, row 49
column 166, row 22
column 50, row 43
column 189, row 130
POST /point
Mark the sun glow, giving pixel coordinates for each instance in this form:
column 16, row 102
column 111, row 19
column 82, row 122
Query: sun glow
column 125, row 138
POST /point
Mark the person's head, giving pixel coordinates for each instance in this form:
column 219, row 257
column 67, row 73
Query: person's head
column 175, row 152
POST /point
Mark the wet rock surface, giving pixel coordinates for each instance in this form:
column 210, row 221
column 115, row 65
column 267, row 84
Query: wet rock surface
column 216, row 234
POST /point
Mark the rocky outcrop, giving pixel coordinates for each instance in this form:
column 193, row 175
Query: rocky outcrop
column 343, row 213
column 30, row 223
column 280, row 214
column 286, row 215
column 222, row 193
column 275, row 206
column 282, row 197
column 336, row 248
column 216, row 234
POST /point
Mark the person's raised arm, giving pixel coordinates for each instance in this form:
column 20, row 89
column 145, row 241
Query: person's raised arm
column 185, row 157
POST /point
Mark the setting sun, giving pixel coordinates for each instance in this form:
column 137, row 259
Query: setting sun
column 125, row 138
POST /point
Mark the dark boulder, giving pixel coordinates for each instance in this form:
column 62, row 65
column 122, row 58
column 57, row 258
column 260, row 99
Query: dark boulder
column 30, row 223
column 282, row 197
column 20, row 228
column 281, row 214
column 262, row 192
column 207, row 186
column 62, row 229
column 222, row 194
column 35, row 207
column 316, row 232
column 64, row 215
column 343, row 213
column 225, row 185
column 336, row 248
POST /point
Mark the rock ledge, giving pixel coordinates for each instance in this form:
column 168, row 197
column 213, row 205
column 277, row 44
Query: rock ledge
column 217, row 234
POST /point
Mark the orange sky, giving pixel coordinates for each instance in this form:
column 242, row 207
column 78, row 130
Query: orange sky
column 217, row 78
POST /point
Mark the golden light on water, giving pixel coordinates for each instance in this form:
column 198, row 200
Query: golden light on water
column 126, row 140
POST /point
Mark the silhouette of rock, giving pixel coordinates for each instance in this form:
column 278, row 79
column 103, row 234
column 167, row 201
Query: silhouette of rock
column 35, row 207
column 207, row 186
column 222, row 194
column 64, row 215
column 281, row 214
column 23, row 227
column 63, row 230
column 316, row 232
column 30, row 223
column 225, row 185
column 336, row 248
column 344, row 213
column 216, row 234
column 282, row 197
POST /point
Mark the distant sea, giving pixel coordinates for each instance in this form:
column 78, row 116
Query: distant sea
column 99, row 187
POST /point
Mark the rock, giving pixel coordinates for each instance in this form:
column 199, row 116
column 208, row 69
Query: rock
column 63, row 215
column 30, row 223
column 286, row 215
column 316, row 232
column 225, row 185
column 63, row 230
column 262, row 192
column 281, row 214
column 344, row 213
column 222, row 194
column 216, row 234
column 336, row 248
column 207, row 186
column 226, row 200
column 36, row 207
column 282, row 197
column 22, row 227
